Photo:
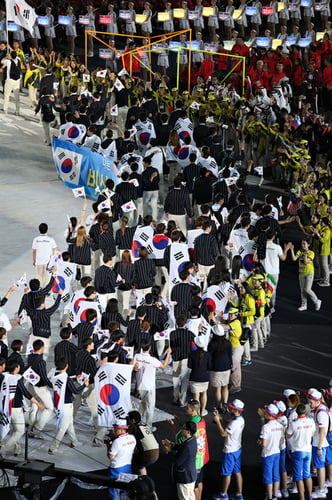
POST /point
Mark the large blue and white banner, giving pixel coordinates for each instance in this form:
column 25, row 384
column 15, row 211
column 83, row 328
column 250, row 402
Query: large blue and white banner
column 78, row 166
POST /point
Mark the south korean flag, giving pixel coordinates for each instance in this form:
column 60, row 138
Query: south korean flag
column 179, row 254
column 215, row 299
column 142, row 238
column 7, row 394
column 73, row 132
column 112, row 389
column 59, row 383
column 64, row 280
column 68, row 164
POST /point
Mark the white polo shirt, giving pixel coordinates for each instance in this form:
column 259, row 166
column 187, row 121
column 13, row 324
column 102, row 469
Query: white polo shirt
column 301, row 431
column 146, row 375
column 284, row 422
column 123, row 448
column 43, row 244
column 272, row 432
column 321, row 418
column 234, row 435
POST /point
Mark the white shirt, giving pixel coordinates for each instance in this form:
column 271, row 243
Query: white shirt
column 234, row 435
column 44, row 246
column 321, row 418
column 284, row 422
column 301, row 431
column 272, row 432
column 146, row 375
column 271, row 262
column 123, row 448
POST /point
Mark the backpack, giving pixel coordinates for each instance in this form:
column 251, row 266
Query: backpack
column 15, row 72
column 246, row 332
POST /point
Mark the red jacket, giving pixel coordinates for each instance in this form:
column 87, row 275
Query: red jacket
column 207, row 68
column 276, row 77
column 222, row 60
column 135, row 64
column 327, row 77
column 298, row 75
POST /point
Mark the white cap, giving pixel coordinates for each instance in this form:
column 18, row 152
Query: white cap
column 272, row 410
column 200, row 341
column 237, row 404
column 313, row 394
column 281, row 406
column 288, row 392
column 121, row 423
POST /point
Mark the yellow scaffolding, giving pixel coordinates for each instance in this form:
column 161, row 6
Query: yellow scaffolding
column 156, row 39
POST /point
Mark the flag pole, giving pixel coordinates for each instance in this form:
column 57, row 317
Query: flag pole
column 6, row 1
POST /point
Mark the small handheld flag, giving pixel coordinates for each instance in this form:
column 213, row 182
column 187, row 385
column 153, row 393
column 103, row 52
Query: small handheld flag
column 128, row 207
column 259, row 170
column 194, row 105
column 118, row 85
column 114, row 110
column 104, row 204
column 101, row 74
column 78, row 192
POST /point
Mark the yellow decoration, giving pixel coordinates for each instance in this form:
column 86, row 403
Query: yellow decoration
column 237, row 14
column 178, row 13
column 140, row 18
column 208, row 11
column 275, row 43
column 163, row 16
column 281, row 6
column 319, row 35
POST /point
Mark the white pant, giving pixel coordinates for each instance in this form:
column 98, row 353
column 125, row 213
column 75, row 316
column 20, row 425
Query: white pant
column 17, row 428
column 235, row 380
column 39, row 418
column 88, row 394
column 150, row 199
column 147, row 405
column 12, row 86
column 185, row 491
column 124, row 296
column 47, row 133
column 180, row 377
column 324, row 268
column 258, row 333
column 67, row 426
column 306, row 282
column 42, row 275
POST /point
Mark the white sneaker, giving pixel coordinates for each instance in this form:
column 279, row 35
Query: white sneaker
column 302, row 308
column 328, row 484
column 318, row 305
column 319, row 494
column 294, row 490
column 284, row 493
column 279, row 495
